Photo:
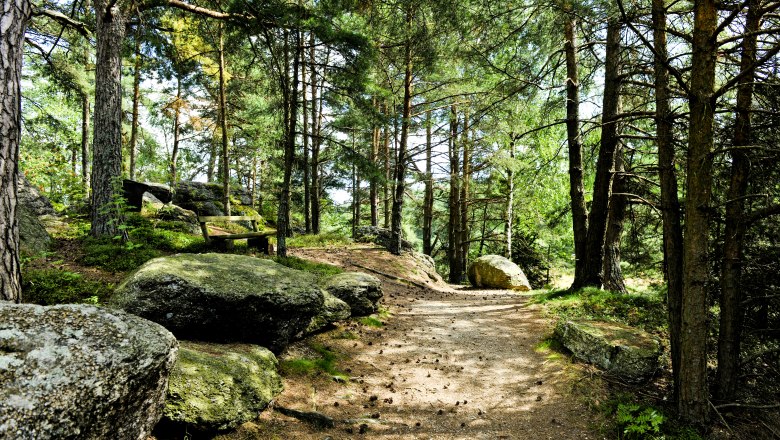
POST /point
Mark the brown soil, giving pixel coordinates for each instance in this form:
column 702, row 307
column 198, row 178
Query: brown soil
column 450, row 363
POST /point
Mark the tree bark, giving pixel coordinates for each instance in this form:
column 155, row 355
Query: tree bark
column 463, row 249
column 510, row 197
column 106, row 213
column 136, row 101
column 428, row 201
column 731, row 311
column 605, row 166
column 283, row 215
column 579, row 212
column 456, row 270
column 315, row 143
column 388, row 180
column 305, row 129
column 670, row 203
column 374, row 182
column 176, row 131
column 400, row 165
column 223, row 123
column 613, row 275
column 85, row 143
column 692, row 404
column 13, row 20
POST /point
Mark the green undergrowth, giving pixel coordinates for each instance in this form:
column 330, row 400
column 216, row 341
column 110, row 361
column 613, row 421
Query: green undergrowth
column 644, row 310
column 371, row 321
column 56, row 286
column 325, row 239
column 634, row 420
column 325, row 362
column 321, row 270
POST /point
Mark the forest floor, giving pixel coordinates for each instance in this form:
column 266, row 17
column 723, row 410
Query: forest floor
column 448, row 362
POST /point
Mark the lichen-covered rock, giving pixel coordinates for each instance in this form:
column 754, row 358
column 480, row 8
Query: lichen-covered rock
column 426, row 265
column 216, row 387
column 81, row 372
column 618, row 349
column 361, row 291
column 207, row 198
column 33, row 237
column 497, row 272
column 333, row 309
column 134, row 191
column 381, row 236
column 179, row 215
column 29, row 196
column 222, row 298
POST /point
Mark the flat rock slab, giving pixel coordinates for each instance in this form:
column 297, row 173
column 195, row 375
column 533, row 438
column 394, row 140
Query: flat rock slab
column 497, row 272
column 623, row 351
column 81, row 372
column 216, row 387
column 223, row 298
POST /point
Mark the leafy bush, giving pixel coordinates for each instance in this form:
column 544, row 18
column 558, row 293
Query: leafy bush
column 325, row 239
column 321, row 270
column 54, row 286
column 637, row 422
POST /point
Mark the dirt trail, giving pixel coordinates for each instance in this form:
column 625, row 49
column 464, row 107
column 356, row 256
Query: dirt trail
column 451, row 363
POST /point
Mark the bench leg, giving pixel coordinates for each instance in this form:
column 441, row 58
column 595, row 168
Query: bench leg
column 223, row 245
column 260, row 243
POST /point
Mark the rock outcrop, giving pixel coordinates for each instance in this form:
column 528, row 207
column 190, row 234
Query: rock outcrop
column 222, row 298
column 216, row 387
column 83, row 372
column 333, row 309
column 360, row 291
column 33, row 237
column 382, row 237
column 497, row 272
column 134, row 192
column 620, row 350
column 207, row 198
column 29, row 196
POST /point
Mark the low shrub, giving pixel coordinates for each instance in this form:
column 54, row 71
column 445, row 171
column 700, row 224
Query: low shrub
column 321, row 270
column 325, row 239
column 55, row 286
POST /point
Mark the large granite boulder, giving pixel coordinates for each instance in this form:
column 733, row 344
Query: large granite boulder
column 426, row 264
column 381, row 236
column 81, row 372
column 497, row 272
column 207, row 198
column 28, row 195
column 134, row 193
column 623, row 351
column 361, row 291
column 222, row 298
column 216, row 387
column 33, row 237
column 333, row 309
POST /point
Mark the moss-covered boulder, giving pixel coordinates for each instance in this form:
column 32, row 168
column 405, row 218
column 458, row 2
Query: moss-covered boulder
column 208, row 198
column 222, row 298
column 497, row 272
column 361, row 291
column 217, row 387
column 333, row 310
column 623, row 351
column 33, row 237
column 81, row 372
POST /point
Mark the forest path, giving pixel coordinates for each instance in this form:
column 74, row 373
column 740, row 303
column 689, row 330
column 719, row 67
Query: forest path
column 451, row 363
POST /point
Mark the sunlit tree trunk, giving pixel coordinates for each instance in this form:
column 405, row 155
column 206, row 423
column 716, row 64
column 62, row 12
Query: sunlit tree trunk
column 692, row 405
column 374, row 181
column 136, row 101
column 13, row 20
column 106, row 215
column 223, row 123
column 613, row 275
column 316, row 120
column 305, row 130
column 731, row 311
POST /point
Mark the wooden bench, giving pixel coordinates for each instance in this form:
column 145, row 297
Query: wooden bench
column 257, row 239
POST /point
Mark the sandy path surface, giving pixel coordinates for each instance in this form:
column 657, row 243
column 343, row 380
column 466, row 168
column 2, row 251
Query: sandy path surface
column 450, row 363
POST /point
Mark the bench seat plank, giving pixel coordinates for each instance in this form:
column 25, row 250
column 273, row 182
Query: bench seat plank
column 266, row 233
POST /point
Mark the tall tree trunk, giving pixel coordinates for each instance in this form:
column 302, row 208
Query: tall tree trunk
column 305, row 129
column 400, row 165
column 176, row 131
column 136, row 100
column 14, row 17
column 428, row 202
column 106, row 215
column 374, row 182
column 224, row 124
column 605, row 166
column 670, row 203
column 387, row 179
column 510, row 197
column 316, row 115
column 456, row 270
column 85, row 142
column 463, row 249
column 731, row 312
column 211, row 169
column 692, row 404
column 613, row 275
column 579, row 212
column 283, row 215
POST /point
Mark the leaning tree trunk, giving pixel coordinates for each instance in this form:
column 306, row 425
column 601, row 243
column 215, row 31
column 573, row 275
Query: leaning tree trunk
column 579, row 212
column 670, row 203
column 136, row 101
column 692, row 405
column 400, row 166
column 605, row 166
column 428, row 201
column 106, row 213
column 731, row 311
column 13, row 17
